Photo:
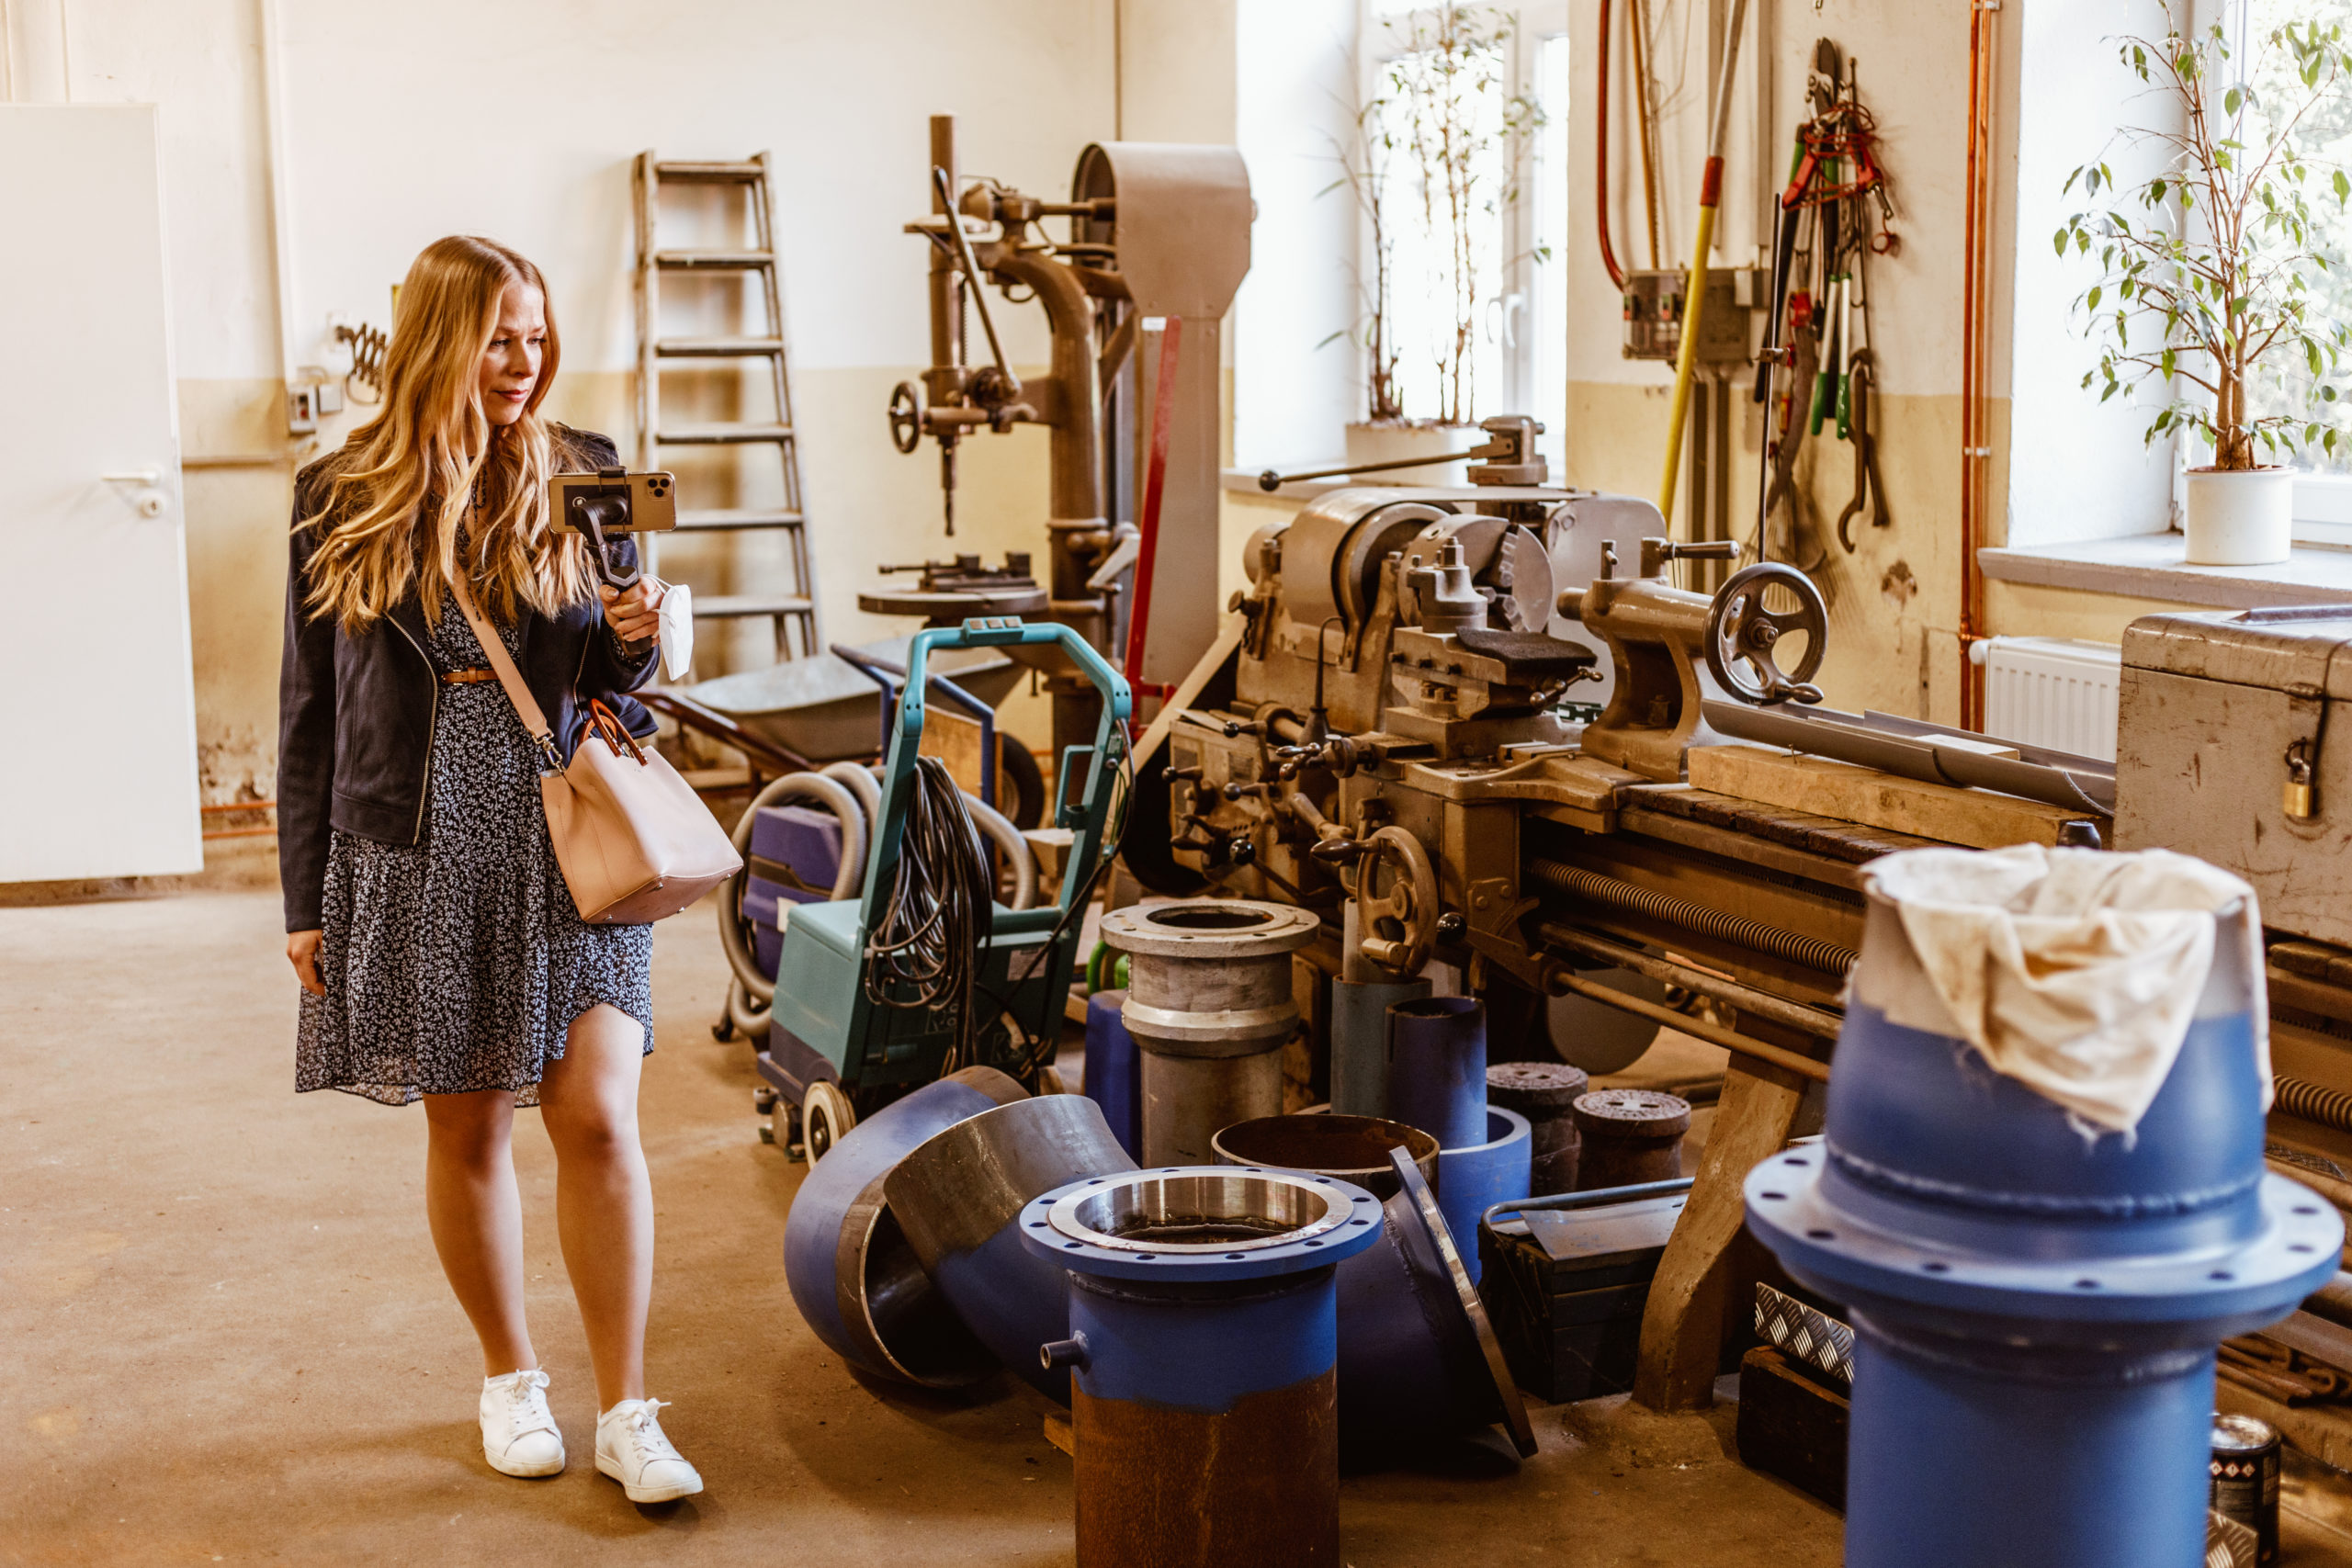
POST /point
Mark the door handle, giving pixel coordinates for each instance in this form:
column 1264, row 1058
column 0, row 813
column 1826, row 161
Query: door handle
column 150, row 500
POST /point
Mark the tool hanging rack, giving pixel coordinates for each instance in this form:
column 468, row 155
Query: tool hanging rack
column 1817, row 368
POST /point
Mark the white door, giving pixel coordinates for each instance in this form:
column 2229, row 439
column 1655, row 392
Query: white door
column 97, row 713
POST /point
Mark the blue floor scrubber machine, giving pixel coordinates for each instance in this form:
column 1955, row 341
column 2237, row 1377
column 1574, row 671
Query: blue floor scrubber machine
column 924, row 972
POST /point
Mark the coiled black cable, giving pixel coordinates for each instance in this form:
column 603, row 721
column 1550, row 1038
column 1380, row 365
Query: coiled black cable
column 923, row 951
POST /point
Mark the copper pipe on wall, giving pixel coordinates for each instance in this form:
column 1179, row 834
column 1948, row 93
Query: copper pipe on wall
column 1601, row 177
column 1975, row 434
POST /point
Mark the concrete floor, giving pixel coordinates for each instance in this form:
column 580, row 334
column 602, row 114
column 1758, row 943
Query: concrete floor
column 229, row 1340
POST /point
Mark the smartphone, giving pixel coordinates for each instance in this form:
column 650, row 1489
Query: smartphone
column 605, row 505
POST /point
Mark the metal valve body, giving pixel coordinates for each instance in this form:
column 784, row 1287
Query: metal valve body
column 1203, row 1335
column 1209, row 1006
column 2035, row 1312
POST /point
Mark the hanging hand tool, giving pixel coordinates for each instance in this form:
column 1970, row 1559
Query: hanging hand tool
column 1781, row 491
column 1842, row 405
column 1825, row 380
column 1870, row 488
column 1694, row 293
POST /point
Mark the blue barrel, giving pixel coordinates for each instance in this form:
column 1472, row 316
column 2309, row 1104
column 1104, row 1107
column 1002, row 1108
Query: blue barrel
column 1113, row 1079
column 1203, row 1334
column 1437, row 1068
column 853, row 1275
column 1471, row 1181
column 1360, row 1041
column 959, row 1200
column 2035, row 1309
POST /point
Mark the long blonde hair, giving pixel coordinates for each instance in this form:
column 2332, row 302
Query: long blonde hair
column 401, row 486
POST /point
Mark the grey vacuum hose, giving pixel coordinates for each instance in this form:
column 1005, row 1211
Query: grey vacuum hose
column 747, row 996
column 852, row 793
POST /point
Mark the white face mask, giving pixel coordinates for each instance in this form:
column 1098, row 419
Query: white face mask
column 677, row 628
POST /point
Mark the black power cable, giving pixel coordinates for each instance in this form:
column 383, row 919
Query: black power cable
column 924, row 949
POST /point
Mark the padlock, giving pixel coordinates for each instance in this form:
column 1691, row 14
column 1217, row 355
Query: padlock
column 2300, row 799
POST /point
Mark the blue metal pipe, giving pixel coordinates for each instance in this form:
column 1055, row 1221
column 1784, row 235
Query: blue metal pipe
column 1360, row 1041
column 1113, row 1082
column 1418, row 1358
column 1437, row 1068
column 852, row 1274
column 2035, row 1310
column 959, row 1200
column 1472, row 1180
column 1203, row 1332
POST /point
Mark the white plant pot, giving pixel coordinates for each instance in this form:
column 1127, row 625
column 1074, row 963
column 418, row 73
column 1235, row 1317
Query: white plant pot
column 1413, row 438
column 2242, row 518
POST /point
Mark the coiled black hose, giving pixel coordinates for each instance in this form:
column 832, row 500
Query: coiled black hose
column 924, row 949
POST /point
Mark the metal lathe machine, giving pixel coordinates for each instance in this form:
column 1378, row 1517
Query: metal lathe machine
column 1395, row 729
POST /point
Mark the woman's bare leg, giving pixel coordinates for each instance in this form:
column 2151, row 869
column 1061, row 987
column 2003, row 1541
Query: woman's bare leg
column 477, row 1218
column 603, row 1202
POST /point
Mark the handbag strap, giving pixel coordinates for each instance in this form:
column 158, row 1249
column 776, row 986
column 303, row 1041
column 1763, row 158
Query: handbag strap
column 526, row 707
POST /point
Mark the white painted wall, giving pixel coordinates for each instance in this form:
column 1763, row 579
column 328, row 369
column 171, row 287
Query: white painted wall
column 518, row 119
column 527, row 135
column 1912, row 66
column 1295, row 112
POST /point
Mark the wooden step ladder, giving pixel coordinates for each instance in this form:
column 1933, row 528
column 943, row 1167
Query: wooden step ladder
column 794, row 613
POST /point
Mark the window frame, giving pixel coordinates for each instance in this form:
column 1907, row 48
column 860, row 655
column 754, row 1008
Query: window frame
column 1515, row 317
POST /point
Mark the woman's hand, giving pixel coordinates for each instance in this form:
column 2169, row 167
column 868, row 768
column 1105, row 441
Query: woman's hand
column 633, row 615
column 302, row 951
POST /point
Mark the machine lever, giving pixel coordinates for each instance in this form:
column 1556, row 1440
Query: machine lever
column 1011, row 383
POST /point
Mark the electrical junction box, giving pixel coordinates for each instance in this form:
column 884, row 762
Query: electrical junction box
column 1653, row 313
column 2225, row 751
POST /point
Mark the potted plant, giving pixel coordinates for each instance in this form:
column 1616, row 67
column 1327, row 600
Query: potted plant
column 1435, row 143
column 2206, row 264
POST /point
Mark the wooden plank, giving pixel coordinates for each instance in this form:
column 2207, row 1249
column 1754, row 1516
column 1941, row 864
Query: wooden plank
column 956, row 741
column 1682, row 1328
column 1975, row 817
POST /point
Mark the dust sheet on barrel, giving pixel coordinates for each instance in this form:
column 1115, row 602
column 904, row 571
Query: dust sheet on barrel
column 2075, row 972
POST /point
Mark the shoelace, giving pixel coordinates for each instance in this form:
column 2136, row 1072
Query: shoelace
column 645, row 1434
column 520, row 1394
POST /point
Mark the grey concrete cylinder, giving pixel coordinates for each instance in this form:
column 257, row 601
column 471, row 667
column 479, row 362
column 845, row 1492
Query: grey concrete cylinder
column 1210, row 1007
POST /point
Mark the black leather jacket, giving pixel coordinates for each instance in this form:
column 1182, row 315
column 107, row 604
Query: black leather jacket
column 355, row 715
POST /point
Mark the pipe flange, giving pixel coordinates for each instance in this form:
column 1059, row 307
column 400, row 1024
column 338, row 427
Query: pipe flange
column 1209, row 928
column 1201, row 1223
column 2298, row 1245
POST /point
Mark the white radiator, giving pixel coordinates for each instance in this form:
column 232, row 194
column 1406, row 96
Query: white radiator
column 2053, row 692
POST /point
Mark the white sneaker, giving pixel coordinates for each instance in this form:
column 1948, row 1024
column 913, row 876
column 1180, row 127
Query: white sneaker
column 632, row 1450
column 518, row 1436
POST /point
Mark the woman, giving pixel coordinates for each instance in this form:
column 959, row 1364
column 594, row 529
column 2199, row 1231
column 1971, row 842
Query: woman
column 439, row 952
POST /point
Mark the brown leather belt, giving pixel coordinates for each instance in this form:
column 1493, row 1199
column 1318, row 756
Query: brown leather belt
column 466, row 677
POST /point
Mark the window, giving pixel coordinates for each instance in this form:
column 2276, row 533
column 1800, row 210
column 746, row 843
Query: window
column 1477, row 315
column 1300, row 366
column 2324, row 492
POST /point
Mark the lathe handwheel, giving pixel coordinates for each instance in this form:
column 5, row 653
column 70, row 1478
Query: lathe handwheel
column 906, row 417
column 1398, row 926
column 1742, row 634
column 825, row 1119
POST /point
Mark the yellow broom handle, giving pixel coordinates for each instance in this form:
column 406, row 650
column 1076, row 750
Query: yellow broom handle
column 1694, row 302
column 1695, row 285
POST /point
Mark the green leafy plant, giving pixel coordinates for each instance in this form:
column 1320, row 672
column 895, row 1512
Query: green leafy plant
column 2207, row 264
column 1441, row 133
